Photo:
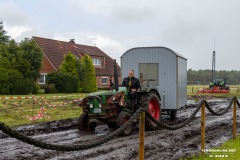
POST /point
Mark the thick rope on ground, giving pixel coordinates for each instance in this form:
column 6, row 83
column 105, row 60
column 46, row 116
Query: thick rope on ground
column 83, row 146
column 175, row 127
column 221, row 112
column 87, row 145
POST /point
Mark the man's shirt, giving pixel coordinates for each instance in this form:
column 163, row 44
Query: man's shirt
column 131, row 83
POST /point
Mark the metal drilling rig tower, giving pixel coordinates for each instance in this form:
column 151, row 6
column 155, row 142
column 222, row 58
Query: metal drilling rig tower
column 213, row 60
column 213, row 64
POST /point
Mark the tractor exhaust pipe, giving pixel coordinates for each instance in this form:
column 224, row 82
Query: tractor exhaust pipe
column 116, row 87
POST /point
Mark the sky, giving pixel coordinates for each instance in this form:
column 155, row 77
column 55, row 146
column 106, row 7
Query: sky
column 193, row 28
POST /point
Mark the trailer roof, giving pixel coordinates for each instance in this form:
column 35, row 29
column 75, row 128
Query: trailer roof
column 176, row 53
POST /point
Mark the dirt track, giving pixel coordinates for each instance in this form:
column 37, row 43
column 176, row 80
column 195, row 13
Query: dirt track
column 161, row 144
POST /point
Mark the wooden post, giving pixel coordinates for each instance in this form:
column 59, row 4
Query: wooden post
column 203, row 129
column 235, row 119
column 141, row 135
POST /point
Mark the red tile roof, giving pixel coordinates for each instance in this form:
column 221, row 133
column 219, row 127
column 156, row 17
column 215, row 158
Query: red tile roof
column 55, row 50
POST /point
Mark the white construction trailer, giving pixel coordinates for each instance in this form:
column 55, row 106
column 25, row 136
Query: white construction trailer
column 167, row 70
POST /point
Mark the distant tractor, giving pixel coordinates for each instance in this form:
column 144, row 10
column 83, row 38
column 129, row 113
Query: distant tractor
column 220, row 83
column 217, row 85
column 115, row 107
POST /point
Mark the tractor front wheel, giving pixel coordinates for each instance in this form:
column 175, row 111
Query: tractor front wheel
column 83, row 123
column 123, row 117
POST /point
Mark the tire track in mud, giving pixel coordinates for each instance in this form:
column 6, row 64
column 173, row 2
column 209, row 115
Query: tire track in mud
column 159, row 144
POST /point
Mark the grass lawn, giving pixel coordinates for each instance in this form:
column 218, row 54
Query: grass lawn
column 17, row 111
column 229, row 150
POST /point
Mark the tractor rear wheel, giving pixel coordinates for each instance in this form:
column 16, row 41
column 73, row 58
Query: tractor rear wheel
column 123, row 117
column 151, row 103
column 83, row 123
column 112, row 125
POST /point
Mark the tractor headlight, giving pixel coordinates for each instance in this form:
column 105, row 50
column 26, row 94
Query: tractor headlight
column 91, row 105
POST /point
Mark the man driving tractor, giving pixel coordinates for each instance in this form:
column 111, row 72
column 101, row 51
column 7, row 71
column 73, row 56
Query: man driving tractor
column 132, row 83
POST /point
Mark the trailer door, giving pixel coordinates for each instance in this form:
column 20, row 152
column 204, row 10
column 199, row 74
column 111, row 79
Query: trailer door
column 149, row 71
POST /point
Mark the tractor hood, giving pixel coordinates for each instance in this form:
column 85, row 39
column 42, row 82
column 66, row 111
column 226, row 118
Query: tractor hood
column 111, row 92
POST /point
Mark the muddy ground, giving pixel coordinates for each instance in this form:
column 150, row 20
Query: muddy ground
column 160, row 144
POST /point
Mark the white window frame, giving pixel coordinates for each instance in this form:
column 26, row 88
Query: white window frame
column 44, row 78
column 106, row 80
column 97, row 61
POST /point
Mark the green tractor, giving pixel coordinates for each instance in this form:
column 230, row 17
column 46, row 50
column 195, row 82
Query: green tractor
column 115, row 107
column 219, row 82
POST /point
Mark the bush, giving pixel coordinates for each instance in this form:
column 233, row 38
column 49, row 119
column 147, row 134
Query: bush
column 36, row 88
column 50, row 88
column 64, row 82
column 13, row 82
column 79, row 90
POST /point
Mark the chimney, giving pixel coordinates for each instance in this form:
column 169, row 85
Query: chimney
column 72, row 41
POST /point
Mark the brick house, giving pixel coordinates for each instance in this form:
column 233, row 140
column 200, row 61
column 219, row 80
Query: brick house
column 53, row 53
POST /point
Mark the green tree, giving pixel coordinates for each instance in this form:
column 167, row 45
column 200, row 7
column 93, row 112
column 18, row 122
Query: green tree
column 22, row 61
column 3, row 37
column 88, row 80
column 79, row 69
column 31, row 55
column 69, row 64
column 25, row 57
column 9, row 54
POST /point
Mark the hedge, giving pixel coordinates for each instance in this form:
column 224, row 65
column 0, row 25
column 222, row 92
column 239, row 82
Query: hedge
column 13, row 82
column 64, row 82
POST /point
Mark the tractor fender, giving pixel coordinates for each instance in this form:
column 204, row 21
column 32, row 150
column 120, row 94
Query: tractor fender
column 155, row 91
column 125, row 109
column 152, row 90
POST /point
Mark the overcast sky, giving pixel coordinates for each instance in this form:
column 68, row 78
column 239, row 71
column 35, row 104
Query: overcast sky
column 185, row 26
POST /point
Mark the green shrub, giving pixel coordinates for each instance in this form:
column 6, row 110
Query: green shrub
column 64, row 82
column 36, row 88
column 79, row 90
column 4, row 85
column 50, row 88
column 13, row 82
column 21, row 85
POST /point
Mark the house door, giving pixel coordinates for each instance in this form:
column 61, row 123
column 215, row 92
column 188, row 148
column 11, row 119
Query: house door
column 149, row 72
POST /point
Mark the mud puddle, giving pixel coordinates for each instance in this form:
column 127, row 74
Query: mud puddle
column 160, row 144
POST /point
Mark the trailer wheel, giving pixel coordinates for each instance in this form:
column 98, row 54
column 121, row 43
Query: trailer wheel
column 151, row 103
column 123, row 117
column 173, row 115
column 83, row 123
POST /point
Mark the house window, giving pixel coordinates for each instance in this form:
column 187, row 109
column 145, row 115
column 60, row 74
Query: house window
column 97, row 61
column 42, row 79
column 104, row 80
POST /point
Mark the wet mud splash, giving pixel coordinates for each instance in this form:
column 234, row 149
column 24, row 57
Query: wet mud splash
column 160, row 144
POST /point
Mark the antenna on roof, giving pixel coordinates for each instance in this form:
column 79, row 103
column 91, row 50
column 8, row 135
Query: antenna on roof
column 72, row 41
